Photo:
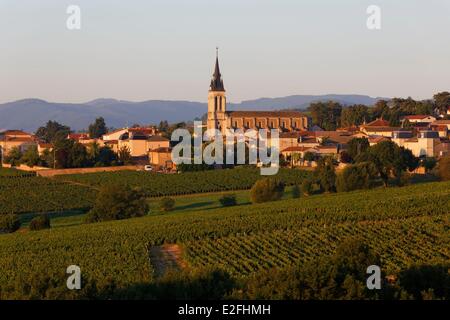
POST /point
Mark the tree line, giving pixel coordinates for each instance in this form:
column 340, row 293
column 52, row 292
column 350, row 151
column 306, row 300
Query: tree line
column 332, row 115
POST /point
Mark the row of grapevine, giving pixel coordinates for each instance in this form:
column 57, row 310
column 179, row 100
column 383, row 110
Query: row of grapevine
column 157, row 185
column 242, row 239
column 400, row 243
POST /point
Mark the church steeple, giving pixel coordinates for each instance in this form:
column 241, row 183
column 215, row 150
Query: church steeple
column 217, row 82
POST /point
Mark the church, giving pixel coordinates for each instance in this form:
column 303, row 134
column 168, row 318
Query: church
column 221, row 119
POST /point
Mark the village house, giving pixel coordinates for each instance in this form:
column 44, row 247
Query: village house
column 10, row 139
column 419, row 118
column 161, row 157
column 424, row 145
column 378, row 127
column 139, row 140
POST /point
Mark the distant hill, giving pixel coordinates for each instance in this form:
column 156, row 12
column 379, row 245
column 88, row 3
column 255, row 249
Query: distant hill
column 29, row 114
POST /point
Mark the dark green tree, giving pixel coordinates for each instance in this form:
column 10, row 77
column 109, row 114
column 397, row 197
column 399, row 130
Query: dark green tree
column 442, row 101
column 116, row 202
column 31, row 157
column 98, row 128
column 326, row 115
column 357, row 146
column 325, row 174
column 267, row 189
column 13, row 157
column 354, row 115
column 52, row 131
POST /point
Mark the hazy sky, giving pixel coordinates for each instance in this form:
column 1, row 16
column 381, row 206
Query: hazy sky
column 165, row 49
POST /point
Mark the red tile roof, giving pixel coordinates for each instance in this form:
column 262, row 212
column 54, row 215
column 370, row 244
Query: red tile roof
column 377, row 123
column 268, row 114
column 416, row 117
column 296, row 148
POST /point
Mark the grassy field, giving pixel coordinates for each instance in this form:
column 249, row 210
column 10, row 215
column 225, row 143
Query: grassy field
column 405, row 226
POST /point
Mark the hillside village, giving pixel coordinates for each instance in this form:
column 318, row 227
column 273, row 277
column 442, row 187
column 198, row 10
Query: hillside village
column 427, row 137
column 324, row 130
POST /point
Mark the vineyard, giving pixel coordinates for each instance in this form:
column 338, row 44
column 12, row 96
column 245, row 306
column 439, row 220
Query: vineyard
column 23, row 194
column 13, row 173
column 187, row 183
column 405, row 225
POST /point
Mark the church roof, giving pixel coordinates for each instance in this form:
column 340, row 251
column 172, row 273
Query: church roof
column 265, row 114
column 216, row 81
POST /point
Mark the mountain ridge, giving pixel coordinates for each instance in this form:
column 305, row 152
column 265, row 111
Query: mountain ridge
column 30, row 114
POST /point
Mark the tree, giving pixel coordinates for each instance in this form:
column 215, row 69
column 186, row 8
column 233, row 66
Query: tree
column 326, row 114
column 40, row 222
column 267, row 189
column 228, row 200
column 442, row 101
column 326, row 174
column 429, row 163
column 344, row 157
column 309, row 156
column 9, row 223
column 106, row 157
column 167, row 204
column 354, row 115
column 77, row 156
column 31, row 157
column 98, row 128
column 380, row 110
column 52, row 131
column 295, row 192
column 357, row 176
column 390, row 159
column 124, row 155
column 308, row 186
column 116, row 202
column 357, row 146
column 13, row 156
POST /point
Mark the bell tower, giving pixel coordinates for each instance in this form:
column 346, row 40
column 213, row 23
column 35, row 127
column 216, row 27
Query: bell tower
column 217, row 104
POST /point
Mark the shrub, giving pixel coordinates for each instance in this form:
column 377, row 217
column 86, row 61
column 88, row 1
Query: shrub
column 167, row 204
column 116, row 202
column 355, row 177
column 308, row 186
column 326, row 175
column 40, row 222
column 228, row 200
column 9, row 223
column 429, row 163
column 267, row 189
column 309, row 156
column 444, row 168
column 295, row 192
column 344, row 157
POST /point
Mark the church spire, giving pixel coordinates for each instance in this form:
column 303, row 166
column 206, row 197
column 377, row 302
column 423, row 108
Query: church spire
column 217, row 82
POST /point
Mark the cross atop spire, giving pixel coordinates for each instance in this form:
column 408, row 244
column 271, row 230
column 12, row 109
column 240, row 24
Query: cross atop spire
column 217, row 82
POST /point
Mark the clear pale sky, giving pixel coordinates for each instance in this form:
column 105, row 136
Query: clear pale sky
column 165, row 49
